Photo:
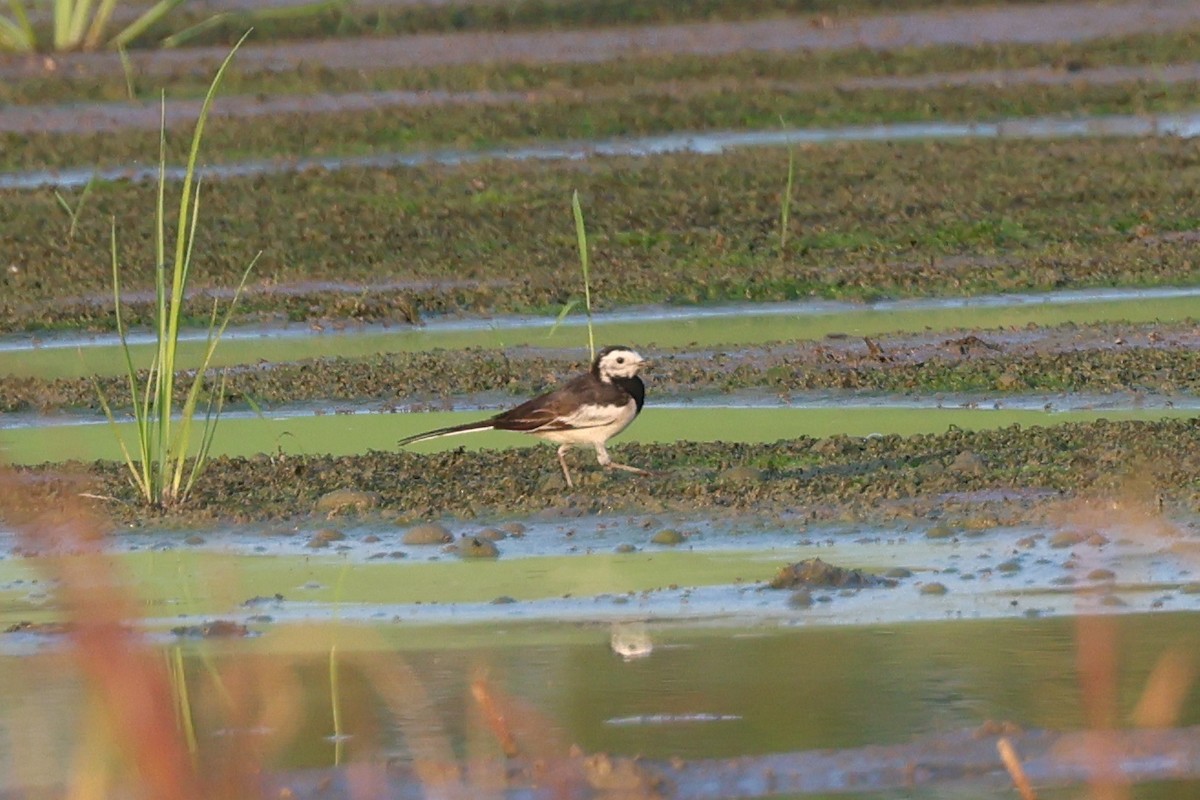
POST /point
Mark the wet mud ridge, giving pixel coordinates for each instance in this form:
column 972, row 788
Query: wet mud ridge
column 1043, row 22
column 967, row 760
column 1148, row 363
column 985, row 478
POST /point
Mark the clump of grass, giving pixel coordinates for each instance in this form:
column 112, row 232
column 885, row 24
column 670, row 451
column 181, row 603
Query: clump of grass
column 73, row 212
column 84, row 24
column 159, row 467
column 77, row 25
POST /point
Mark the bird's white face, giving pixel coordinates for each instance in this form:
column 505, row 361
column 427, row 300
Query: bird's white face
column 619, row 363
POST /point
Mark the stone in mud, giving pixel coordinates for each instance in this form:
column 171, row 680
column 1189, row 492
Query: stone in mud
column 967, row 463
column 1012, row 565
column 625, row 548
column 1102, row 575
column 428, row 533
column 513, row 529
column 940, row 532
column 898, row 572
column 801, row 598
column 1064, row 539
column 934, row 588
column 668, row 536
column 323, row 537
column 261, row 600
column 215, row 629
column 979, row 523
column 741, row 474
column 340, row 500
column 475, row 547
column 491, row 534
column 49, row 628
column 815, row 572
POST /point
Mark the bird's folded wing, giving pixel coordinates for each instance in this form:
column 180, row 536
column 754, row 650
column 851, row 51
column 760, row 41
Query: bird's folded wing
column 557, row 411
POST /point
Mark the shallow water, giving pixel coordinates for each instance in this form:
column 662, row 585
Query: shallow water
column 57, row 356
column 1183, row 125
column 345, row 434
column 728, row 668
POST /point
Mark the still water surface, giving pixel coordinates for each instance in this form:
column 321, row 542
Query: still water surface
column 704, row 692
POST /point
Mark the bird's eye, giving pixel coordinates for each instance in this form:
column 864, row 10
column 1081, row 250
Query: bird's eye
column 620, row 359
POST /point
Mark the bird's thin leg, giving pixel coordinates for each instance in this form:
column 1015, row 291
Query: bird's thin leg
column 562, row 451
column 606, row 461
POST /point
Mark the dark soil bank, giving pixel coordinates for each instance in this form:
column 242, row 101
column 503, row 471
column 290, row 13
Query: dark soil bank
column 978, row 479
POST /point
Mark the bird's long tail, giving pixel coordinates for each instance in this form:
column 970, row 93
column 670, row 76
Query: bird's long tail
column 453, row 430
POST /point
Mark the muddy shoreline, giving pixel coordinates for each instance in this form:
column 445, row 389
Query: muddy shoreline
column 1150, row 360
column 1045, row 22
column 981, row 479
column 679, row 229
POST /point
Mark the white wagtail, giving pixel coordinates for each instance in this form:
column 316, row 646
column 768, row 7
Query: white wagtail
column 589, row 409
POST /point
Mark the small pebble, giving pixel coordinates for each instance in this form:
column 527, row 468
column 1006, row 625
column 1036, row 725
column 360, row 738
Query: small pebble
column 668, row 536
column 428, row 533
column 474, row 547
column 342, row 499
column 491, row 534
column 1064, row 539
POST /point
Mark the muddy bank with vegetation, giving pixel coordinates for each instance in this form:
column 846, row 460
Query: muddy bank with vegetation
column 1160, row 359
column 972, row 479
column 476, row 124
column 826, row 69
column 869, row 220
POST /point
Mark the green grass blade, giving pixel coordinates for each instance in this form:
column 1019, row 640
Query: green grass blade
column 183, row 702
column 144, row 22
column 73, row 213
column 187, row 416
column 216, row 404
column 142, row 470
column 161, row 400
column 581, row 236
column 83, row 196
column 18, row 30
column 127, row 70
column 203, row 26
column 77, row 13
column 251, row 18
column 138, row 479
column 785, row 205
column 15, row 39
column 562, row 314
column 185, row 194
column 215, row 332
column 95, row 32
column 65, row 206
column 62, row 23
column 335, row 702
